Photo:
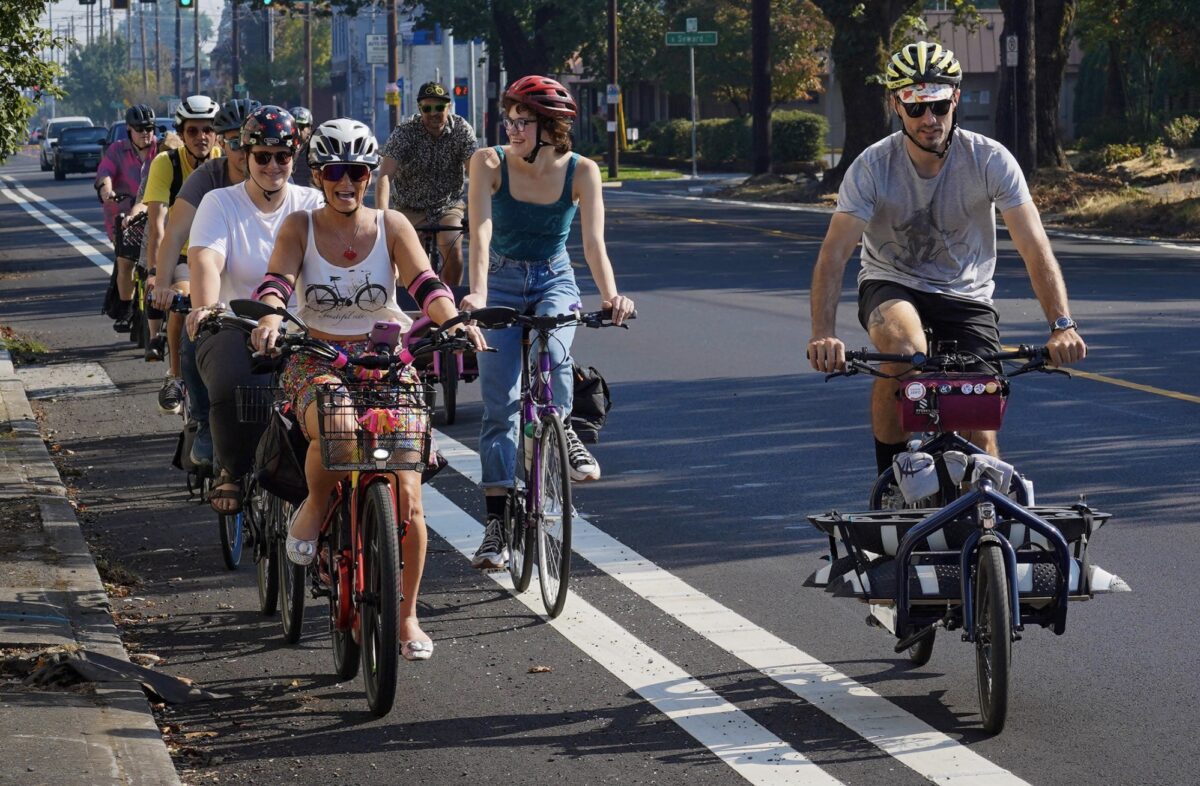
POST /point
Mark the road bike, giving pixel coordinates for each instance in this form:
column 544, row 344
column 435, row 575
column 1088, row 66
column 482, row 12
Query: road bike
column 969, row 556
column 538, row 513
column 358, row 564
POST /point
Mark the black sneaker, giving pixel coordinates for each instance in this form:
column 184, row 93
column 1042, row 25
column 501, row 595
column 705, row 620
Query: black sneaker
column 492, row 553
column 583, row 465
column 156, row 348
column 170, row 396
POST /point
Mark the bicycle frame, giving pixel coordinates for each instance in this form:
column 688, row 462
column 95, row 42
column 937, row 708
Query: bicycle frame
column 537, row 399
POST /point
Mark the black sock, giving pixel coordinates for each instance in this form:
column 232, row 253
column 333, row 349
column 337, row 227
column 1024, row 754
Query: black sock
column 495, row 505
column 884, row 453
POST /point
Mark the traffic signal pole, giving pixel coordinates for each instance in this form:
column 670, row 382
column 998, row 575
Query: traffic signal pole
column 393, row 66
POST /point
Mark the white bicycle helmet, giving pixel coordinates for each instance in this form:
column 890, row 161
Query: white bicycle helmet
column 343, row 141
column 196, row 108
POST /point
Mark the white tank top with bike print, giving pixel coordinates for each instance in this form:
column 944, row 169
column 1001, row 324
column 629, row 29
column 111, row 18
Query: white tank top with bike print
column 348, row 301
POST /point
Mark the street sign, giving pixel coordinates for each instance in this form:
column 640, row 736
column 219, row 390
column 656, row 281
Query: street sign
column 612, row 94
column 376, row 49
column 240, row 87
column 692, row 24
column 701, row 38
column 1011, row 53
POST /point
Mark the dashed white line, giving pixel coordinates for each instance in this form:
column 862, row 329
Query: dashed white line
column 46, row 212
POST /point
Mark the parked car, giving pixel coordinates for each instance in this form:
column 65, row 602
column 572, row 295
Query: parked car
column 78, row 150
column 50, row 132
column 117, row 130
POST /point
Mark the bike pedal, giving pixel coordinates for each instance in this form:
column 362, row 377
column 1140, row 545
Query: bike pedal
column 320, row 592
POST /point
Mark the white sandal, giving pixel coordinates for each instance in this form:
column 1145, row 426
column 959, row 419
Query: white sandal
column 299, row 551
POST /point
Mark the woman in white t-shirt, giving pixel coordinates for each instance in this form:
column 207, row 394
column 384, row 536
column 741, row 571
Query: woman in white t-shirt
column 233, row 235
column 359, row 253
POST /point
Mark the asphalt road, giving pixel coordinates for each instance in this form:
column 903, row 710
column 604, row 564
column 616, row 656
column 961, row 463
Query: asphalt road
column 696, row 656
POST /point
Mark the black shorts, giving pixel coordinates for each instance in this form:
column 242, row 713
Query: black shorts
column 974, row 325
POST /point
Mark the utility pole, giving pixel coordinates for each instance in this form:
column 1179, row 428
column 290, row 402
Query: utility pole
column 234, row 45
column 393, row 66
column 178, row 51
column 760, row 84
column 196, row 47
column 614, row 144
column 308, row 93
column 142, row 35
column 157, row 51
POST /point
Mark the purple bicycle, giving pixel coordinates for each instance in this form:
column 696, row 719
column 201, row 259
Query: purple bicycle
column 537, row 518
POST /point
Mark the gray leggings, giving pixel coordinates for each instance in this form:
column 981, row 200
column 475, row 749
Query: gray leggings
column 224, row 363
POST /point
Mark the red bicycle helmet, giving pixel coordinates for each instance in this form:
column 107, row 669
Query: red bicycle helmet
column 544, row 96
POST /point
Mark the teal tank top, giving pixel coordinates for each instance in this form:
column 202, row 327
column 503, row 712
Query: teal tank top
column 530, row 232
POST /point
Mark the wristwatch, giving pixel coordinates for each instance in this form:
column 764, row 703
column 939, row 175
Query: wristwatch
column 1063, row 323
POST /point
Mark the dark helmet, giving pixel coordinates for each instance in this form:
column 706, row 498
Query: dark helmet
column 139, row 115
column 270, row 125
column 543, row 95
column 922, row 62
column 302, row 115
column 233, row 113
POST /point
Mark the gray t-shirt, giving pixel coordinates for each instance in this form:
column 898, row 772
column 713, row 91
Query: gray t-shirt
column 936, row 234
column 209, row 175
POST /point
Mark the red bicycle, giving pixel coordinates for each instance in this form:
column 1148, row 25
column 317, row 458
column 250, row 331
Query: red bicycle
column 371, row 430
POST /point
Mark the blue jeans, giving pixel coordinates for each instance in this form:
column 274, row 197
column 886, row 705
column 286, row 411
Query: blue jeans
column 197, row 394
column 542, row 288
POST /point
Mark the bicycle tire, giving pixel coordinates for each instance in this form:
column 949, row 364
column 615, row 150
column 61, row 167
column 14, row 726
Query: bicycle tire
column 553, row 515
column 993, row 637
column 265, row 507
column 232, row 532
column 291, row 594
column 345, row 647
column 519, row 540
column 920, row 653
column 448, row 373
column 371, row 295
column 379, row 611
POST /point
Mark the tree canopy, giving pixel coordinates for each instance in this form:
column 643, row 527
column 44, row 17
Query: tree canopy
column 23, row 73
column 94, row 76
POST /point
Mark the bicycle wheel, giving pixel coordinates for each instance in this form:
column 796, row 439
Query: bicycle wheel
column 379, row 610
column 263, row 507
column 291, row 583
column 519, row 540
column 448, row 372
column 993, row 637
column 553, row 515
column 341, row 584
column 230, row 525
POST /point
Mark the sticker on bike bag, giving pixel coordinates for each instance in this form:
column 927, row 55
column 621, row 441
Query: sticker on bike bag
column 991, row 387
column 968, row 388
column 914, row 391
column 979, row 388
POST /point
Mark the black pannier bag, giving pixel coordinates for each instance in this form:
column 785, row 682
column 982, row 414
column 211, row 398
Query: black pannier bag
column 280, row 458
column 592, row 403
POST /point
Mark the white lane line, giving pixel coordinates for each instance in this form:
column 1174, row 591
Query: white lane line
column 31, row 203
column 908, row 739
column 750, row 750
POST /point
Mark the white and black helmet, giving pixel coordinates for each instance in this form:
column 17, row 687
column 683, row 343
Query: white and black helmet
column 195, row 108
column 343, row 141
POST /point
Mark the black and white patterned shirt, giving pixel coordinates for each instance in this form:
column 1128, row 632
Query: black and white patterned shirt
column 429, row 170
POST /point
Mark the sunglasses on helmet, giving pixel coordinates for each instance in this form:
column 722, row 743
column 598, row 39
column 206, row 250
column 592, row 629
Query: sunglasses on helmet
column 939, row 108
column 333, row 173
column 282, row 157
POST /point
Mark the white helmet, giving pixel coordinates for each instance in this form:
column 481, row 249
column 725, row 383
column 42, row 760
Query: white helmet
column 343, row 141
column 195, row 108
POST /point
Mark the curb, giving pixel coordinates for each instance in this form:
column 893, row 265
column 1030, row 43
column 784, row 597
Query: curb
column 139, row 751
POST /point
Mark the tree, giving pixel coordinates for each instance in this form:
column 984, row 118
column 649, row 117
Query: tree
column 93, row 81
column 24, row 75
column 1054, row 23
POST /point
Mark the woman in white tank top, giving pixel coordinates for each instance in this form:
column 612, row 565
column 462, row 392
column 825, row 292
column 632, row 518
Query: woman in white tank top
column 343, row 261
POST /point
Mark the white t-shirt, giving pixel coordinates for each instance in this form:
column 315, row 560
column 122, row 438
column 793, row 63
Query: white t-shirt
column 228, row 222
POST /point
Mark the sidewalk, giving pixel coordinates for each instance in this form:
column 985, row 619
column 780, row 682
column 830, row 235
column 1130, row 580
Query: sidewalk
column 51, row 595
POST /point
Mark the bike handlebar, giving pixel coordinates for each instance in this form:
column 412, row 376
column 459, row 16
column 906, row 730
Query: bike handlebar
column 859, row 361
column 500, row 317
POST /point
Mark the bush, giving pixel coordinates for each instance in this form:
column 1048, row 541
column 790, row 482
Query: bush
column 1115, row 154
column 798, row 136
column 795, row 137
column 1182, row 131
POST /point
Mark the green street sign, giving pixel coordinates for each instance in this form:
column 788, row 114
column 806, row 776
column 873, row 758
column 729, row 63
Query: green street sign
column 702, row 38
column 240, row 87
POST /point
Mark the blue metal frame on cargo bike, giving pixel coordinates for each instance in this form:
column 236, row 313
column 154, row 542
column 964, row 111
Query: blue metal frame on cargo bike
column 1059, row 556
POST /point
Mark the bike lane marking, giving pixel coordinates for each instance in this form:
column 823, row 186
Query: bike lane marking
column 745, row 746
column 903, row 736
column 45, row 211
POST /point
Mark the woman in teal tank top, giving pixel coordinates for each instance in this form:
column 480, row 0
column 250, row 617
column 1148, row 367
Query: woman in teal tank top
column 523, row 198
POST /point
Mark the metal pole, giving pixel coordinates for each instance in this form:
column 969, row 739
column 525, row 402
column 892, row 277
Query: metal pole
column 393, row 68
column 196, row 47
column 142, row 35
column 308, row 90
column 157, row 51
column 472, row 66
column 449, row 43
column 128, row 31
column 695, row 106
column 235, row 45
column 614, row 145
column 178, row 52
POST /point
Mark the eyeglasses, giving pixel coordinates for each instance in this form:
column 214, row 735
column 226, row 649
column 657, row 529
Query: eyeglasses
column 430, row 109
column 197, row 130
column 939, row 108
column 520, row 123
column 333, row 173
column 282, row 157
column 232, row 143
column 143, row 129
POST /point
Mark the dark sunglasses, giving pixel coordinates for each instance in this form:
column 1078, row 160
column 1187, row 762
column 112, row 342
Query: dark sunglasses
column 429, row 109
column 143, row 129
column 333, row 173
column 939, row 108
column 232, row 143
column 197, row 130
column 282, row 157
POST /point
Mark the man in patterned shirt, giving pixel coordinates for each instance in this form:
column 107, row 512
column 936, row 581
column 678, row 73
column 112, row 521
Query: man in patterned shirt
column 429, row 155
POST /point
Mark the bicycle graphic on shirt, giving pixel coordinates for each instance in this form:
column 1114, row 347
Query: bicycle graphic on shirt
column 323, row 299
column 925, row 244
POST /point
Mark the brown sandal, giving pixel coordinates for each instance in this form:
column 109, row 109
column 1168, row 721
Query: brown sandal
column 234, row 493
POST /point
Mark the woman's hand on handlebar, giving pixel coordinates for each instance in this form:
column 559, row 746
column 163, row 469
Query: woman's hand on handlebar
column 264, row 337
column 198, row 314
column 827, row 354
column 472, row 301
column 621, row 307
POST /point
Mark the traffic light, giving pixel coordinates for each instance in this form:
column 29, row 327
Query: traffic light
column 120, row 5
column 186, row 3
column 268, row 3
column 87, row 2
column 460, row 91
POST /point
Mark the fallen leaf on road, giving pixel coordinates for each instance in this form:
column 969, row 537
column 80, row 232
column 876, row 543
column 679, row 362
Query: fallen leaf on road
column 225, row 606
column 540, row 669
column 198, row 735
